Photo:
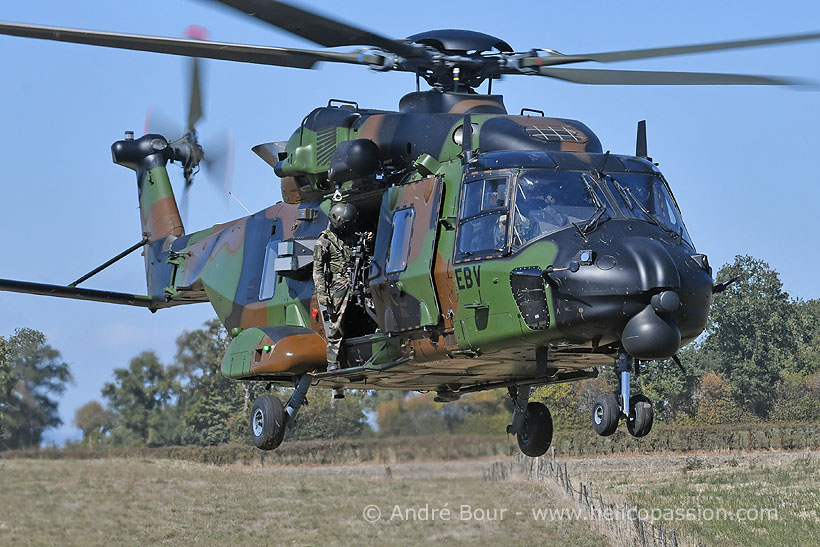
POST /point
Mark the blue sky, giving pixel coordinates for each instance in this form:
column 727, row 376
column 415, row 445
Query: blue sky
column 741, row 160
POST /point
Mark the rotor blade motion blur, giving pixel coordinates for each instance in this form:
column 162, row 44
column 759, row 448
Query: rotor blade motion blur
column 638, row 77
column 264, row 55
column 317, row 28
column 633, row 54
column 195, row 102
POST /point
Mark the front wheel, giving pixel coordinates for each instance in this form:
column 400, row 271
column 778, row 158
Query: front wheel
column 536, row 436
column 605, row 414
column 267, row 422
column 641, row 416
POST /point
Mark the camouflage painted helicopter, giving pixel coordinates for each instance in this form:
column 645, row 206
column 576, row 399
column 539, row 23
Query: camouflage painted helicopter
column 511, row 251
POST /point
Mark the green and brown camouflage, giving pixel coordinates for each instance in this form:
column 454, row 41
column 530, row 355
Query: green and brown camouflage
column 446, row 318
column 465, row 295
column 509, row 251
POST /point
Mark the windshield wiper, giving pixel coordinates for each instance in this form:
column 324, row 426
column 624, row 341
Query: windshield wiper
column 649, row 215
column 624, row 196
column 592, row 223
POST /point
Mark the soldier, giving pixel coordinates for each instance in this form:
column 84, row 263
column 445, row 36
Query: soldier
column 331, row 274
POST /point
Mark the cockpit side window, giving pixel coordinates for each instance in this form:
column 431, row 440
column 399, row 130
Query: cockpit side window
column 484, row 213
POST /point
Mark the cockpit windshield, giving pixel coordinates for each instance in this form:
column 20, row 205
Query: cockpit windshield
column 500, row 211
column 645, row 197
column 547, row 200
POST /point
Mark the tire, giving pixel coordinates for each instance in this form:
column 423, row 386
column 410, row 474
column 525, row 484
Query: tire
column 537, row 435
column 267, row 422
column 641, row 416
column 605, row 414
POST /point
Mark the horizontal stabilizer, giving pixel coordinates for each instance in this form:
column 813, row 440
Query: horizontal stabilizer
column 61, row 291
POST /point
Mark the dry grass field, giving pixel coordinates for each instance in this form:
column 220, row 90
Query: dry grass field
column 764, row 498
column 141, row 501
column 767, row 498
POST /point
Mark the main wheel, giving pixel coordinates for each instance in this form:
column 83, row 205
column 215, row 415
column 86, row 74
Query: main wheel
column 267, row 422
column 536, row 436
column 605, row 414
column 641, row 416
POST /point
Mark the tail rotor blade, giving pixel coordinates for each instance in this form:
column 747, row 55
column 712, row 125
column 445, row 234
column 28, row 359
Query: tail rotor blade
column 195, row 100
column 219, row 162
column 183, row 205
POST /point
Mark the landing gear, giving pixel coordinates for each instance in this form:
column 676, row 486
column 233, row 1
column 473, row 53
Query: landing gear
column 641, row 416
column 607, row 410
column 531, row 423
column 269, row 418
column 605, row 414
column 267, row 422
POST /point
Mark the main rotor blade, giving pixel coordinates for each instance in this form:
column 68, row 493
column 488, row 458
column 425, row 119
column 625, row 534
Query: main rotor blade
column 632, row 54
column 263, row 55
column 639, row 77
column 318, row 28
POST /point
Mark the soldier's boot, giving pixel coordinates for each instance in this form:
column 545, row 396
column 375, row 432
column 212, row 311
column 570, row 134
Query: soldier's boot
column 338, row 393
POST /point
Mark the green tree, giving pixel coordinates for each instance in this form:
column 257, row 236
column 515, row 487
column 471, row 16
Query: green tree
column 6, row 387
column 410, row 415
column 208, row 403
column 805, row 325
column 715, row 404
column 141, row 395
column 796, row 398
column 753, row 331
column 671, row 390
column 31, row 373
column 570, row 404
column 321, row 419
column 478, row 413
column 94, row 421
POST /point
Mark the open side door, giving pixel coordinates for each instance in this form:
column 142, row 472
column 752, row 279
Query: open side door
column 401, row 276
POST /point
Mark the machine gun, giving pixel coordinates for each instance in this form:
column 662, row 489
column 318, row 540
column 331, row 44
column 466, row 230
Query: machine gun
column 359, row 267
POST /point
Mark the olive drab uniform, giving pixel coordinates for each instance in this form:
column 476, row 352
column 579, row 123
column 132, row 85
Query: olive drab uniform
column 331, row 276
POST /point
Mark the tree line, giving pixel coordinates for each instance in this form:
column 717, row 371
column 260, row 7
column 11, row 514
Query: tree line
column 758, row 360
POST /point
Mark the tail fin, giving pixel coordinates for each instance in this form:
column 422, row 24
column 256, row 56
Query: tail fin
column 148, row 156
column 159, row 215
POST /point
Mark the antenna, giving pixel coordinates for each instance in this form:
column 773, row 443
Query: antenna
column 640, row 143
column 240, row 203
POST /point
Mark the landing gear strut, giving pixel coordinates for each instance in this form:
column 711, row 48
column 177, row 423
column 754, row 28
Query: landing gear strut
column 531, row 423
column 269, row 418
column 607, row 410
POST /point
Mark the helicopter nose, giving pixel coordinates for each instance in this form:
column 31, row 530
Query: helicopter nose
column 653, row 332
column 650, row 335
column 641, row 290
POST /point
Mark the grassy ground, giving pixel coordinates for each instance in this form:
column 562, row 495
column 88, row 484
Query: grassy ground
column 133, row 501
column 768, row 498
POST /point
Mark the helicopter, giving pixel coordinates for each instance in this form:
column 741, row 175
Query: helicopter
column 511, row 251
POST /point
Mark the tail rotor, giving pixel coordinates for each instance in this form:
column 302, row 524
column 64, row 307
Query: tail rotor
column 188, row 151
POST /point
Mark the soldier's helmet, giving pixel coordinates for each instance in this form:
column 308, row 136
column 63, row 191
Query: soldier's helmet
column 343, row 215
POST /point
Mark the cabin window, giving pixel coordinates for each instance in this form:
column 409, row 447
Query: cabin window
column 268, row 284
column 399, row 250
